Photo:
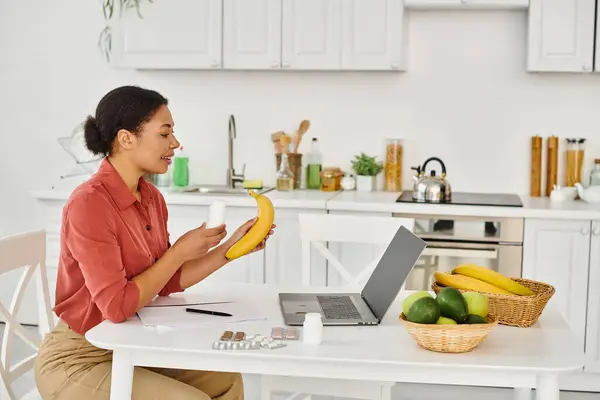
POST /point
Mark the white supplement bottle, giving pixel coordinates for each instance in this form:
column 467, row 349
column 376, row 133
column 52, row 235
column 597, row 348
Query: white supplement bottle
column 216, row 214
column 313, row 328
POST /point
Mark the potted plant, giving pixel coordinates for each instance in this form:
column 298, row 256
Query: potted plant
column 366, row 168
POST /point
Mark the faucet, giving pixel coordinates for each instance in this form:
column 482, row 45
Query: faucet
column 232, row 177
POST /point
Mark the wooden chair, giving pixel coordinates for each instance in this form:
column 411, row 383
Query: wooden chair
column 316, row 231
column 23, row 250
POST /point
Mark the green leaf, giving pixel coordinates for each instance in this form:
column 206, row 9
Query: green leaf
column 366, row 165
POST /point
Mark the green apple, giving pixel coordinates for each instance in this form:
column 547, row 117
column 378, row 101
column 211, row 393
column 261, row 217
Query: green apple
column 477, row 303
column 445, row 321
column 408, row 302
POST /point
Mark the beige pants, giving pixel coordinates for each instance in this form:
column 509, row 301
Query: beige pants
column 69, row 367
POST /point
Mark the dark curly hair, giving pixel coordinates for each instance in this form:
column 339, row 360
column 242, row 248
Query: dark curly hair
column 126, row 107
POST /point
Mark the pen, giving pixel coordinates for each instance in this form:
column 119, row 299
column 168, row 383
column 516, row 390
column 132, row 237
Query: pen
column 195, row 310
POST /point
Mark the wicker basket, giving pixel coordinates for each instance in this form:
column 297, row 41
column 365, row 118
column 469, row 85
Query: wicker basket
column 459, row 338
column 514, row 310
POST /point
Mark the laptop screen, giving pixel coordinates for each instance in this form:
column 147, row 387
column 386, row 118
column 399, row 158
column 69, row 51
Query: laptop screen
column 388, row 277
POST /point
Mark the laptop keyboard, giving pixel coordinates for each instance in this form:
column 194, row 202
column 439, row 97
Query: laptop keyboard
column 338, row 307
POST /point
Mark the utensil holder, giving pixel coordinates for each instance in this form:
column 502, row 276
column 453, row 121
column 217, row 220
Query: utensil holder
column 295, row 163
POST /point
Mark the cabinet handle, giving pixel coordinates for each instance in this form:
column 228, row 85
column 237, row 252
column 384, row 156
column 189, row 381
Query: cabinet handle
column 274, row 64
column 585, row 231
column 586, row 67
column 285, row 65
column 394, row 65
column 215, row 64
column 597, row 231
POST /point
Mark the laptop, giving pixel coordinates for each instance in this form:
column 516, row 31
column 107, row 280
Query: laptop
column 369, row 306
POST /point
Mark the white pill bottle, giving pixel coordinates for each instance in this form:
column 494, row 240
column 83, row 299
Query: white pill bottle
column 313, row 328
column 216, row 214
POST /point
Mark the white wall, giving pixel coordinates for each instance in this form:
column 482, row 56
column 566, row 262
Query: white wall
column 466, row 98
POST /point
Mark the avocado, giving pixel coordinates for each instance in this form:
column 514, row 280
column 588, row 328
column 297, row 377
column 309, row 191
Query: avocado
column 425, row 310
column 475, row 319
column 452, row 304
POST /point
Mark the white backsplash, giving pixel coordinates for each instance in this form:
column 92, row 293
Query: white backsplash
column 466, row 99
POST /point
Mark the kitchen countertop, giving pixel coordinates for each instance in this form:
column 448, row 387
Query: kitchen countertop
column 376, row 201
column 305, row 199
column 533, row 207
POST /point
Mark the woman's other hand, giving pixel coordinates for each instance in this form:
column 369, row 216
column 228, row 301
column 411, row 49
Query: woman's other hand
column 242, row 230
column 197, row 242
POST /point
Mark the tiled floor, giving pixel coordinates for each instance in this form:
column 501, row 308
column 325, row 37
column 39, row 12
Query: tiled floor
column 401, row 392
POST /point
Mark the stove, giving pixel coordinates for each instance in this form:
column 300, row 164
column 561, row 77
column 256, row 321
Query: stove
column 471, row 199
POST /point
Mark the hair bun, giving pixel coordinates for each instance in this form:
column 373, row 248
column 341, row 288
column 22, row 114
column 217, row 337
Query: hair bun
column 93, row 137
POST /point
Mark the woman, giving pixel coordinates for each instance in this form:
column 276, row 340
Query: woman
column 116, row 257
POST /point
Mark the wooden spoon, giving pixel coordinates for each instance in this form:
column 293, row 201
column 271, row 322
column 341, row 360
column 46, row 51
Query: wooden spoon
column 276, row 137
column 284, row 140
column 304, row 125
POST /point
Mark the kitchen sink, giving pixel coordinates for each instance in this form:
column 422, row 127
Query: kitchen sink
column 221, row 190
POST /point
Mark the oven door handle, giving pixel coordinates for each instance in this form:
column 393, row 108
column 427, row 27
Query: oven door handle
column 453, row 249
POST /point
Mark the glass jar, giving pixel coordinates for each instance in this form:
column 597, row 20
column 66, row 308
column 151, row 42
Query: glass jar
column 393, row 165
column 575, row 153
column 331, row 179
column 595, row 174
column 285, row 176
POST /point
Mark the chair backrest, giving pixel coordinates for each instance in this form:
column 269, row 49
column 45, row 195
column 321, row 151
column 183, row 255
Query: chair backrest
column 26, row 250
column 318, row 229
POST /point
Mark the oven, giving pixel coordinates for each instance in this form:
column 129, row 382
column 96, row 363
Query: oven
column 495, row 243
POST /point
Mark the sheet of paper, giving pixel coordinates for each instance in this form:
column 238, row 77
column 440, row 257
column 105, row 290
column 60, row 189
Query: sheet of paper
column 177, row 316
column 191, row 299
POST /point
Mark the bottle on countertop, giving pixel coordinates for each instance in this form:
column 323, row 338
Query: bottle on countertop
column 595, row 174
column 285, row 176
column 181, row 173
column 314, row 165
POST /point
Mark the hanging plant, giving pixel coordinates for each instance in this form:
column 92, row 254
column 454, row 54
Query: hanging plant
column 108, row 9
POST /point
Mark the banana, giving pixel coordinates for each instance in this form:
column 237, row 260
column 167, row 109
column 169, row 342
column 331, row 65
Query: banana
column 492, row 277
column 260, row 229
column 467, row 283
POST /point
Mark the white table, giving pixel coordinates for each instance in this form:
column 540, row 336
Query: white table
column 521, row 358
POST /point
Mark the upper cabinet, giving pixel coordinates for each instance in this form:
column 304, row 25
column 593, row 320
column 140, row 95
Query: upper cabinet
column 263, row 34
column 251, row 34
column 330, row 35
column 311, row 34
column 373, row 34
column 561, row 35
column 174, row 34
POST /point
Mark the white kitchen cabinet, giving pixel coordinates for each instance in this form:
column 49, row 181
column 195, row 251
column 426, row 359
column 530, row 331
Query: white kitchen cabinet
column 561, row 35
column 247, row 269
column 311, row 36
column 597, row 52
column 252, row 34
column 373, row 35
column 283, row 254
column 174, row 34
column 592, row 337
column 558, row 252
column 466, row 4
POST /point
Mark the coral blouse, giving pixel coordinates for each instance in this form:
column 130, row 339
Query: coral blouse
column 108, row 237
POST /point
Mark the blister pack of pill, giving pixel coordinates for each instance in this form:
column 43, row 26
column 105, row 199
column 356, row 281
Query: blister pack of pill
column 241, row 341
column 281, row 333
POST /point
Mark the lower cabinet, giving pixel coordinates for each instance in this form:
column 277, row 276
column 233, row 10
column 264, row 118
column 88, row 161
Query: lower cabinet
column 566, row 254
column 592, row 342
